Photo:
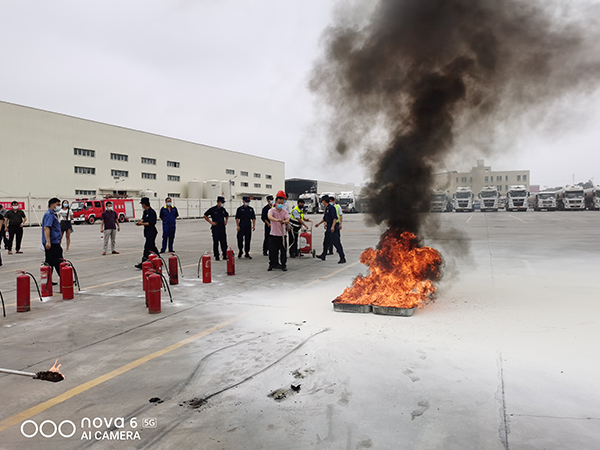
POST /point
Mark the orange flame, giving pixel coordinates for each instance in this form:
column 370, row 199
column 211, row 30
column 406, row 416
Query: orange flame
column 401, row 273
column 56, row 368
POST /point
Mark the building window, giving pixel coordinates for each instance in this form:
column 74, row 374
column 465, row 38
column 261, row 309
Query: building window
column 230, row 171
column 244, row 184
column 268, row 177
column 499, row 178
column 507, row 187
column 173, row 177
column 172, row 164
column 457, row 179
column 243, row 173
column 269, row 186
column 84, row 152
column 85, row 170
column 464, row 179
column 256, row 185
column 232, row 183
column 257, row 175
column 149, row 176
column 487, row 179
column 471, row 180
column 499, row 187
column 151, row 161
column 119, row 173
column 119, row 157
column 487, row 170
column 518, row 177
column 524, row 177
column 173, row 195
column 84, row 192
column 506, row 178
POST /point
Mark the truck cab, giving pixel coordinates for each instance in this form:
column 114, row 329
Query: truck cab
column 517, row 198
column 440, row 201
column 592, row 198
column 311, row 202
column 571, row 198
column 544, row 200
column 347, row 200
column 463, row 199
column 90, row 211
column 489, row 198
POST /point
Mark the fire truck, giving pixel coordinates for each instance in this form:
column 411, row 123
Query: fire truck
column 86, row 210
column 571, row 198
column 544, row 200
column 517, row 198
column 463, row 199
column 440, row 201
column 592, row 198
column 489, row 196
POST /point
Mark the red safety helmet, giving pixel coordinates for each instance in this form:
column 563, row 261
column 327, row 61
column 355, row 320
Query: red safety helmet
column 281, row 194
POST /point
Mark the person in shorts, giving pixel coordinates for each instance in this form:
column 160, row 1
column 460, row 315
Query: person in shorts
column 65, row 217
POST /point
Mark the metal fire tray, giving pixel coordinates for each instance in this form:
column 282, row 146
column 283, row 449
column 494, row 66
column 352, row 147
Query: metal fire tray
column 348, row 307
column 392, row 311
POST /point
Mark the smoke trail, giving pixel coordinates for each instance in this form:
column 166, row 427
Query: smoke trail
column 421, row 80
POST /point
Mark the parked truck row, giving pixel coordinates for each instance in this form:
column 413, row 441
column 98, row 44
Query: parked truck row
column 569, row 198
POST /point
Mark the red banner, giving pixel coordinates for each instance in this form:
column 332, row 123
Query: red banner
column 8, row 205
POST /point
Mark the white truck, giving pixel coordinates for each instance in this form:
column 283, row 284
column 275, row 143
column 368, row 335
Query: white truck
column 592, row 198
column 440, row 201
column 489, row 197
column 571, row 198
column 311, row 202
column 517, row 198
column 544, row 200
column 347, row 200
column 331, row 194
column 463, row 199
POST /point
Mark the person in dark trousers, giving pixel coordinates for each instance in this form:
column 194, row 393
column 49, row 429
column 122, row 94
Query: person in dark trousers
column 14, row 221
column 339, row 212
column 245, row 220
column 265, row 218
column 297, row 222
column 3, row 230
column 51, row 235
column 218, row 221
column 150, row 232
column 168, row 214
column 279, row 218
column 332, row 231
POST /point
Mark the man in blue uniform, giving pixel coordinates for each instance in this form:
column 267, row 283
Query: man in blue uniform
column 218, row 221
column 168, row 214
column 265, row 218
column 51, row 235
column 245, row 219
column 332, row 231
column 150, row 232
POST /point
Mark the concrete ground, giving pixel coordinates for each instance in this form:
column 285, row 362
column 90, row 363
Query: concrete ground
column 505, row 358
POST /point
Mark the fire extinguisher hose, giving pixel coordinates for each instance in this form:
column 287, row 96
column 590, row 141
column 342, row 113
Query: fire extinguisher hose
column 165, row 284
column 179, row 261
column 74, row 273
column 36, row 284
column 164, row 265
column 3, row 307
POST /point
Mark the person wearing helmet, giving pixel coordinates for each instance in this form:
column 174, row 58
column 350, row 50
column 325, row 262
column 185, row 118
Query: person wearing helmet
column 218, row 221
column 245, row 219
column 265, row 218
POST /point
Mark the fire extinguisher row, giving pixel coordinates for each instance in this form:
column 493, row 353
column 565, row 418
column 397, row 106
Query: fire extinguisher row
column 153, row 279
column 205, row 263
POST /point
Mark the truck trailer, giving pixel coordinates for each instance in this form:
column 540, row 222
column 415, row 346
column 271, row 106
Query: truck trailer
column 592, row 198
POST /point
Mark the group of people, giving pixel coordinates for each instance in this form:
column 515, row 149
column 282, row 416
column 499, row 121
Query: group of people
column 282, row 229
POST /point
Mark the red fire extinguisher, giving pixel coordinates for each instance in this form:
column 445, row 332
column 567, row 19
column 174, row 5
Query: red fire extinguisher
column 62, row 264
column 230, row 262
column 153, row 293
column 173, row 271
column 156, row 262
column 46, row 280
column 206, row 268
column 23, row 293
column 146, row 267
column 66, row 281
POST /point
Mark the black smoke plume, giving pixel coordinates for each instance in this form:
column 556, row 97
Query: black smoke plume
column 410, row 82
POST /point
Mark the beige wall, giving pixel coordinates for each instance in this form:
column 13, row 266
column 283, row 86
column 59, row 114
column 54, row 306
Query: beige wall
column 481, row 176
column 38, row 158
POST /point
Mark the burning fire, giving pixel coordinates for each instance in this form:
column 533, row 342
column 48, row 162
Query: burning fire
column 401, row 273
column 56, row 368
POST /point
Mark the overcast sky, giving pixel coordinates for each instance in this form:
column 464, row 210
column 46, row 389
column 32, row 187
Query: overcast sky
column 227, row 73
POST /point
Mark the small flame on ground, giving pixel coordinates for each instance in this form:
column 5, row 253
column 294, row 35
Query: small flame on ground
column 56, row 368
column 401, row 273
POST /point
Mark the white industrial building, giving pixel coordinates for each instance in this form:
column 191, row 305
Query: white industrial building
column 47, row 154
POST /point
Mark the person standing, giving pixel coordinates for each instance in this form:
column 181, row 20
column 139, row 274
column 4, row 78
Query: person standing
column 340, row 213
column 51, row 235
column 65, row 216
column 14, row 221
column 265, row 218
column 279, row 219
column 109, row 225
column 297, row 222
column 149, row 223
column 168, row 214
column 245, row 220
column 3, row 229
column 218, row 221
column 332, row 231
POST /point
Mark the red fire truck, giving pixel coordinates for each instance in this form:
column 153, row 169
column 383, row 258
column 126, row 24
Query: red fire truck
column 86, row 210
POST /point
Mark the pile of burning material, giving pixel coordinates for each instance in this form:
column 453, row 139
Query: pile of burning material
column 54, row 375
column 401, row 277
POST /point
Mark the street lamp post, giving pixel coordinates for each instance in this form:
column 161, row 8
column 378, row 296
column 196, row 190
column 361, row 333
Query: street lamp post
column 230, row 181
